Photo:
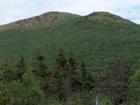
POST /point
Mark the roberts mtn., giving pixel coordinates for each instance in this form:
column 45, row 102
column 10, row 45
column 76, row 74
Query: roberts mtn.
column 97, row 38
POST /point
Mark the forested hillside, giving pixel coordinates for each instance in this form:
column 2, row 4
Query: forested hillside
column 62, row 58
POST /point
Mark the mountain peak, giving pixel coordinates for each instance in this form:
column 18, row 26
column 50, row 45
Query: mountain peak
column 56, row 14
column 107, row 17
column 48, row 19
column 101, row 13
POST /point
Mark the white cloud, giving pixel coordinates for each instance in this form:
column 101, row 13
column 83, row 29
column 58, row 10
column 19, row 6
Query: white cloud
column 12, row 10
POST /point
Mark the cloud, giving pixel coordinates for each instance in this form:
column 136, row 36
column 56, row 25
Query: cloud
column 12, row 10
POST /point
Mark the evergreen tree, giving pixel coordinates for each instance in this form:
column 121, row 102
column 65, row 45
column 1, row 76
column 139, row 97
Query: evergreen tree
column 59, row 73
column 68, row 83
column 33, row 95
column 74, row 71
column 134, row 89
column 72, row 61
column 63, row 76
column 86, row 80
column 8, row 72
column 4, row 94
column 25, row 92
column 21, row 68
column 42, row 73
column 66, row 75
column 41, row 68
column 61, row 59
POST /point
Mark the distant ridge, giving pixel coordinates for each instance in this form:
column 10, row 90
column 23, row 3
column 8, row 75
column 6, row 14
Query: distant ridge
column 50, row 19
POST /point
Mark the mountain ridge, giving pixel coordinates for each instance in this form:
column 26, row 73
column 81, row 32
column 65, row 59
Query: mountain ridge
column 52, row 18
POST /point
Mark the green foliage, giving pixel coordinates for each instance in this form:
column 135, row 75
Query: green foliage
column 104, row 100
column 33, row 93
column 26, row 92
column 53, row 101
column 21, row 68
column 86, row 79
column 134, row 88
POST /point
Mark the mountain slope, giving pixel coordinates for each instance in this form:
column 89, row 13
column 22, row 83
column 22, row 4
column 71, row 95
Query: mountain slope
column 97, row 42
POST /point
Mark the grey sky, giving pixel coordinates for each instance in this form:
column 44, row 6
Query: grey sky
column 12, row 10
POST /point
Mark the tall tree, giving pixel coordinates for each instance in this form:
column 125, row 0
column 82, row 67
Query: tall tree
column 86, row 80
column 33, row 95
column 41, row 66
column 21, row 68
column 8, row 71
column 134, row 88
column 73, row 63
column 42, row 73
column 66, row 75
column 68, row 83
column 61, row 61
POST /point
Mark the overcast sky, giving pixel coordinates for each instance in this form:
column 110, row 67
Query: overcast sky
column 12, row 10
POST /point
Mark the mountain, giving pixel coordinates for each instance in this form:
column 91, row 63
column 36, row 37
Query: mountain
column 104, row 68
column 48, row 19
column 97, row 38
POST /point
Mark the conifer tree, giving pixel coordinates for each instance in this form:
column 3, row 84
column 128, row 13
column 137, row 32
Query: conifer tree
column 63, row 76
column 26, row 92
column 86, row 80
column 33, row 95
column 72, row 61
column 134, row 89
column 42, row 73
column 41, row 68
column 8, row 71
column 68, row 83
column 61, row 61
column 4, row 95
column 66, row 75
column 75, row 73
column 21, row 68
